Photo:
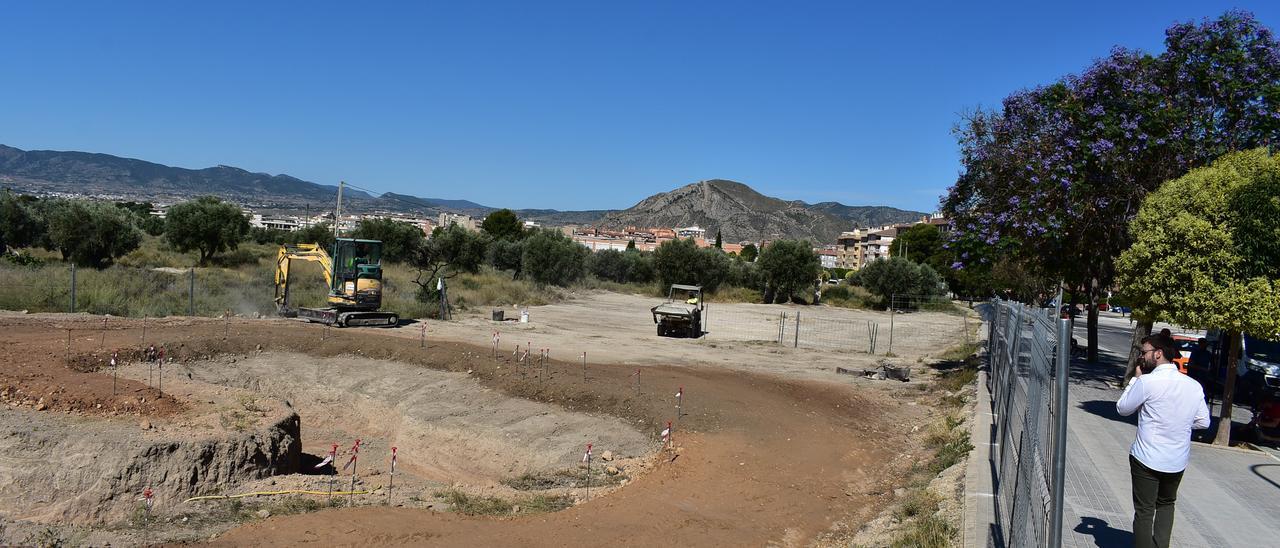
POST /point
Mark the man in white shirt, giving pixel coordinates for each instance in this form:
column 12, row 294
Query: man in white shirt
column 1170, row 404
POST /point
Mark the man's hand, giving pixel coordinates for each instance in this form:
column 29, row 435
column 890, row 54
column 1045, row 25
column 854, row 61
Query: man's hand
column 1137, row 371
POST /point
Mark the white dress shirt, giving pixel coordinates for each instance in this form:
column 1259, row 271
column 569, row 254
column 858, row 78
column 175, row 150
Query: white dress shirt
column 1171, row 404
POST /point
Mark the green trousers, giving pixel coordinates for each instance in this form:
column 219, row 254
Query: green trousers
column 1153, row 496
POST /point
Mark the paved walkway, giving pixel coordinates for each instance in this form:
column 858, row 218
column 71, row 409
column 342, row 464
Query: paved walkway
column 1228, row 496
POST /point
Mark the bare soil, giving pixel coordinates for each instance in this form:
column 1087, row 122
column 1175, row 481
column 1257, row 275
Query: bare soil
column 772, row 448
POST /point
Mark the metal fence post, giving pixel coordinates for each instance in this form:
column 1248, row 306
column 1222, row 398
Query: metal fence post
column 73, row 288
column 191, row 292
column 797, row 343
column 1060, row 432
column 890, row 330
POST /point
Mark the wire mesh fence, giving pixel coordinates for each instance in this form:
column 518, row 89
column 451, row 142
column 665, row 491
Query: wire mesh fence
column 163, row 291
column 866, row 331
column 1028, row 385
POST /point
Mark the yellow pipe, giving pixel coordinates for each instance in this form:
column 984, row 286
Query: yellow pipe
column 268, row 493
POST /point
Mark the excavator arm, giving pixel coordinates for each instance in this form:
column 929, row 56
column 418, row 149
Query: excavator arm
column 300, row 252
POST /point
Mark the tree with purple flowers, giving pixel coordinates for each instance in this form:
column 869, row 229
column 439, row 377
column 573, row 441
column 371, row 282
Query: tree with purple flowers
column 1052, row 179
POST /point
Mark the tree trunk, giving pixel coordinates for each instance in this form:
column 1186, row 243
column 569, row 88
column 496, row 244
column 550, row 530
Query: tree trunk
column 1223, row 436
column 1135, row 348
column 1093, row 321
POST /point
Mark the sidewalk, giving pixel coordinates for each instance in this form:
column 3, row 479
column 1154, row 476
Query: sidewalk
column 1228, row 496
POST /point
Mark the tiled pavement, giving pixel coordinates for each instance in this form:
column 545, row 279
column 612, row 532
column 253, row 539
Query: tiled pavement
column 1228, row 497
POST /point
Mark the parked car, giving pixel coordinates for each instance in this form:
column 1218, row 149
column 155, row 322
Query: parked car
column 1258, row 369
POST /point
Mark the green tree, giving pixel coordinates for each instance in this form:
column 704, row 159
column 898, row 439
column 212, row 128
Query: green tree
column 21, row 224
column 503, row 225
column 263, row 235
column 505, row 255
column 897, row 276
column 321, row 235
column 719, row 244
column 922, row 243
column 679, row 261
column 631, row 245
column 1206, row 254
column 400, row 240
column 450, row 251
column 610, row 265
column 90, row 233
column 206, row 224
column 550, row 257
column 749, row 253
column 788, row 267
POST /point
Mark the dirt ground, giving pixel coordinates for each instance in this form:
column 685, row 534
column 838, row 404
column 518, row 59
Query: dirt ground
column 773, row 446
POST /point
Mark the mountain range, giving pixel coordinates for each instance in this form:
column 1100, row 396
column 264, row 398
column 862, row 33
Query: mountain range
column 735, row 209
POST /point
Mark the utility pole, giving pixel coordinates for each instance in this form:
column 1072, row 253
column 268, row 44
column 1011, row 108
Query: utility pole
column 337, row 212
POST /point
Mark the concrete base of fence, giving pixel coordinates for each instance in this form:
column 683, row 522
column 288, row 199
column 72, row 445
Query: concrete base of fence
column 978, row 528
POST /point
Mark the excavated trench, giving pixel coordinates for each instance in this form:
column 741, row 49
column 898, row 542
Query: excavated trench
column 272, row 415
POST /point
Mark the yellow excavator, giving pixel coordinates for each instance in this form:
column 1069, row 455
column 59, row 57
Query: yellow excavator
column 354, row 275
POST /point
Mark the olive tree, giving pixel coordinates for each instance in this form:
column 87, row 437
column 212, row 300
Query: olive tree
column 205, row 224
column 90, row 233
column 788, row 267
column 550, row 257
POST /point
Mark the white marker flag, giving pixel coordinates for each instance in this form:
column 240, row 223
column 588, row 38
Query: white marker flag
column 680, row 392
column 328, row 458
column 587, row 456
column 349, row 463
column 393, row 460
column 666, row 432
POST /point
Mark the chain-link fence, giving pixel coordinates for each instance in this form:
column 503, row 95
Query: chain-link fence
column 872, row 332
column 1028, row 374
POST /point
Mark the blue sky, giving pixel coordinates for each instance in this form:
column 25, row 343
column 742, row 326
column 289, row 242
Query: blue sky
column 566, row 105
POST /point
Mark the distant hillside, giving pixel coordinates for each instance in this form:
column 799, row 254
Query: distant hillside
column 860, row 216
column 741, row 213
column 734, row 208
column 104, row 174
column 96, row 174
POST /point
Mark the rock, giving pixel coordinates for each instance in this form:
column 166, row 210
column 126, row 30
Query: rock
column 263, row 513
column 607, row 455
column 258, row 348
column 611, row 470
column 145, row 424
column 515, row 509
column 41, row 406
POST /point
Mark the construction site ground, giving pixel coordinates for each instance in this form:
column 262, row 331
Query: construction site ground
column 773, row 446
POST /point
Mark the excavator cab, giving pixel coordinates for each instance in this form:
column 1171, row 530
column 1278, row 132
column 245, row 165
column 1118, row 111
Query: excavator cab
column 357, row 274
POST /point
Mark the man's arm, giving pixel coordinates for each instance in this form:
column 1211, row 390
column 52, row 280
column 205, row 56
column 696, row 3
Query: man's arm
column 1202, row 415
column 1132, row 397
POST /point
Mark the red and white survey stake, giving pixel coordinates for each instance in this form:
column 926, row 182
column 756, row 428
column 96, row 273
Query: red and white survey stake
column 667, row 435
column 392, row 483
column 355, row 450
column 148, row 497
column 679, row 402
column 586, row 458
